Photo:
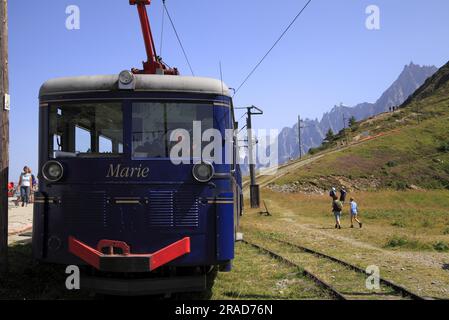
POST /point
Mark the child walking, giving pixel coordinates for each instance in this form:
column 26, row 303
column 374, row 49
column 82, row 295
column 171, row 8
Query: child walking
column 354, row 213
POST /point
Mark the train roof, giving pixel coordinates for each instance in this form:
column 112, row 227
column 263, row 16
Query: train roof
column 150, row 83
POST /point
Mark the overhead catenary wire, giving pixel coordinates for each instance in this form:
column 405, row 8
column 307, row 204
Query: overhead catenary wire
column 242, row 116
column 221, row 78
column 162, row 31
column 178, row 37
column 272, row 47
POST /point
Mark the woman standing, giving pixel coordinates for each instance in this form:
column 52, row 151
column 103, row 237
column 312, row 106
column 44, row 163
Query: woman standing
column 25, row 182
column 33, row 186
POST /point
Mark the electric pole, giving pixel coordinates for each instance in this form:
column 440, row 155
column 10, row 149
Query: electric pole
column 299, row 137
column 344, row 128
column 300, row 134
column 254, row 188
column 4, row 136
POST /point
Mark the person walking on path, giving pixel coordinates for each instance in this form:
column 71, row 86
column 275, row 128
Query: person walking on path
column 354, row 213
column 337, row 208
column 25, row 183
column 343, row 194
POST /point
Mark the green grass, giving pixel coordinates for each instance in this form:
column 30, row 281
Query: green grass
column 406, row 243
column 345, row 280
column 420, row 217
column 405, row 233
column 258, row 276
column 413, row 244
column 399, row 224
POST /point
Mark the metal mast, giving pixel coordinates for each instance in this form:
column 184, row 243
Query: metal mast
column 154, row 64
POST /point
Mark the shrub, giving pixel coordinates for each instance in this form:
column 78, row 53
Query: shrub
column 441, row 246
column 444, row 147
column 398, row 224
column 399, row 185
column 446, row 167
column 392, row 164
column 396, row 242
column 402, row 242
column 330, row 136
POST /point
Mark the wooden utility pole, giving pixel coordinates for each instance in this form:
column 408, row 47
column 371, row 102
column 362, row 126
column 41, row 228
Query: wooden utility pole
column 4, row 136
column 344, row 128
column 299, row 137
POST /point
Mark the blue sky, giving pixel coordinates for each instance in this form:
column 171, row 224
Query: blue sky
column 328, row 57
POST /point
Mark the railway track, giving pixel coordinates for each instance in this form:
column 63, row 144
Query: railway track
column 396, row 287
column 403, row 292
column 330, row 289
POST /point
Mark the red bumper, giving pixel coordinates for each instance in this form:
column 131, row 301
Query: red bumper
column 125, row 261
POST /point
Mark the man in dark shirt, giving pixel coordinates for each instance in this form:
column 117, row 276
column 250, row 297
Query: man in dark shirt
column 337, row 208
column 343, row 194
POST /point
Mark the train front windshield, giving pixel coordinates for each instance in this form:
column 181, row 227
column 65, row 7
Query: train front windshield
column 153, row 123
column 88, row 129
column 97, row 129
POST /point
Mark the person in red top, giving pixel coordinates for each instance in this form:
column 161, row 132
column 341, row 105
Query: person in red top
column 10, row 189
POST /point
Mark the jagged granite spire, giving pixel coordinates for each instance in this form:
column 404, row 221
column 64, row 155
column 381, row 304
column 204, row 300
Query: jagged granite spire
column 411, row 78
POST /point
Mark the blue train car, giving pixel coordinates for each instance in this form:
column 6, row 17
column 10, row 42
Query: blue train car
column 112, row 199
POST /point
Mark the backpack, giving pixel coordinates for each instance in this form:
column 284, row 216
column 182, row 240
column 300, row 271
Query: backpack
column 337, row 206
column 343, row 195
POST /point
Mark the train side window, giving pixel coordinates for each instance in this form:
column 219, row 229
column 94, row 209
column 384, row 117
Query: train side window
column 105, row 145
column 57, row 142
column 82, row 140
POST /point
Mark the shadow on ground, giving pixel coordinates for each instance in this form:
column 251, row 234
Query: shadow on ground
column 28, row 280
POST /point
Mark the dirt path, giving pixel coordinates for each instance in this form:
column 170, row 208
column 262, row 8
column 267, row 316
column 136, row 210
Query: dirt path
column 20, row 223
column 427, row 259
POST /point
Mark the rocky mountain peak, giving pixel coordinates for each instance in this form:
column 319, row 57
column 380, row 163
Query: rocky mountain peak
column 410, row 79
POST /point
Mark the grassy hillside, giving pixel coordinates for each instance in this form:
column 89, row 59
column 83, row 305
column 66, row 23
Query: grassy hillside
column 405, row 149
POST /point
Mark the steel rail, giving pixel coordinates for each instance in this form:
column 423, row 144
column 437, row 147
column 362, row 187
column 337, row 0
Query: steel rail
column 405, row 292
column 335, row 293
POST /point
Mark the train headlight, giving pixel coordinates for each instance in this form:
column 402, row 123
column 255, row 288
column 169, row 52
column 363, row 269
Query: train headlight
column 52, row 171
column 126, row 80
column 126, row 77
column 203, row 172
